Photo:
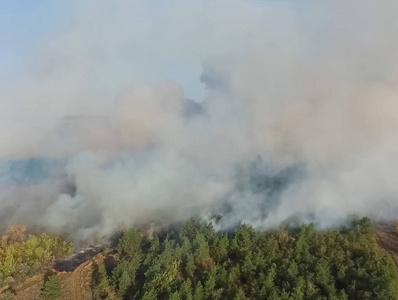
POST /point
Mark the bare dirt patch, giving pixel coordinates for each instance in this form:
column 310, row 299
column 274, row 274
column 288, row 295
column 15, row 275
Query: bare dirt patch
column 75, row 285
column 387, row 237
column 30, row 288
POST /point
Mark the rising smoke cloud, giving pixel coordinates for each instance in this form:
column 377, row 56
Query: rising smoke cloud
column 299, row 118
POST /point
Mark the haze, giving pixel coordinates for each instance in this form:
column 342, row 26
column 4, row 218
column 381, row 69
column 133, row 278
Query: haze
column 266, row 112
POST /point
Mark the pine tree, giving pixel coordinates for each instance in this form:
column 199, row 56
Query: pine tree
column 175, row 296
column 190, row 229
column 129, row 245
column 240, row 295
column 198, row 292
column 190, row 266
column 123, row 275
column 220, row 248
column 101, row 282
column 150, row 295
column 202, row 251
column 186, row 290
column 51, row 289
column 124, row 283
column 210, row 283
column 298, row 291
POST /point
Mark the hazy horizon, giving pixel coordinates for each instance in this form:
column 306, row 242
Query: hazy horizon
column 125, row 112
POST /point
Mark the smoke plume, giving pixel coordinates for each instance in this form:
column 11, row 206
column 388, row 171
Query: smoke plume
column 295, row 116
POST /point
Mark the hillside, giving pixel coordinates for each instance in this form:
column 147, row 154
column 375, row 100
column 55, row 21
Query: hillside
column 199, row 263
column 195, row 262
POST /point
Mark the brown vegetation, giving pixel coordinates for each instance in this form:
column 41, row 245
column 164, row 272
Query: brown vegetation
column 387, row 237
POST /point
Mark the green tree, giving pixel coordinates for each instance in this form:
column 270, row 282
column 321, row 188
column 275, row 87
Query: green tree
column 299, row 289
column 189, row 266
column 220, row 248
column 202, row 264
column 150, row 295
column 190, row 229
column 202, row 251
column 130, row 244
column 101, row 283
column 210, row 283
column 51, row 289
column 175, row 296
column 123, row 283
column 198, row 292
column 240, row 295
column 123, row 275
column 186, row 290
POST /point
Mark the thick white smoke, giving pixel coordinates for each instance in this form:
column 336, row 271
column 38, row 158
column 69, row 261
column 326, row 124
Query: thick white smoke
column 299, row 120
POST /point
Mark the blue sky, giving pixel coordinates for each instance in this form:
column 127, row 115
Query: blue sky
column 25, row 25
column 22, row 25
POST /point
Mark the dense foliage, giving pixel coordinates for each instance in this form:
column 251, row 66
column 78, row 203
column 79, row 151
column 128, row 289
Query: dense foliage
column 51, row 289
column 199, row 263
column 22, row 255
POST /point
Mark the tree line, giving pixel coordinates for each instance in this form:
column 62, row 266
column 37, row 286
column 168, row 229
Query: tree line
column 197, row 263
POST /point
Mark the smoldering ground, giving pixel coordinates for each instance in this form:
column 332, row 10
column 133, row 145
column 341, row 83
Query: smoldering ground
column 297, row 117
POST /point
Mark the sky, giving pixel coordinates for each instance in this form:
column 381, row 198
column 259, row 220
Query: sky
column 22, row 25
column 25, row 25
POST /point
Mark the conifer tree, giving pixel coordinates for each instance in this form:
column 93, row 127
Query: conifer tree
column 51, row 289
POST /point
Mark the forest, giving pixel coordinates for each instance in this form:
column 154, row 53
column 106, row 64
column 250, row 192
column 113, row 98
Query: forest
column 196, row 262
column 23, row 255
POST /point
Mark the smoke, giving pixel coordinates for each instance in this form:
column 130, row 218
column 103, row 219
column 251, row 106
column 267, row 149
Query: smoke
column 295, row 116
